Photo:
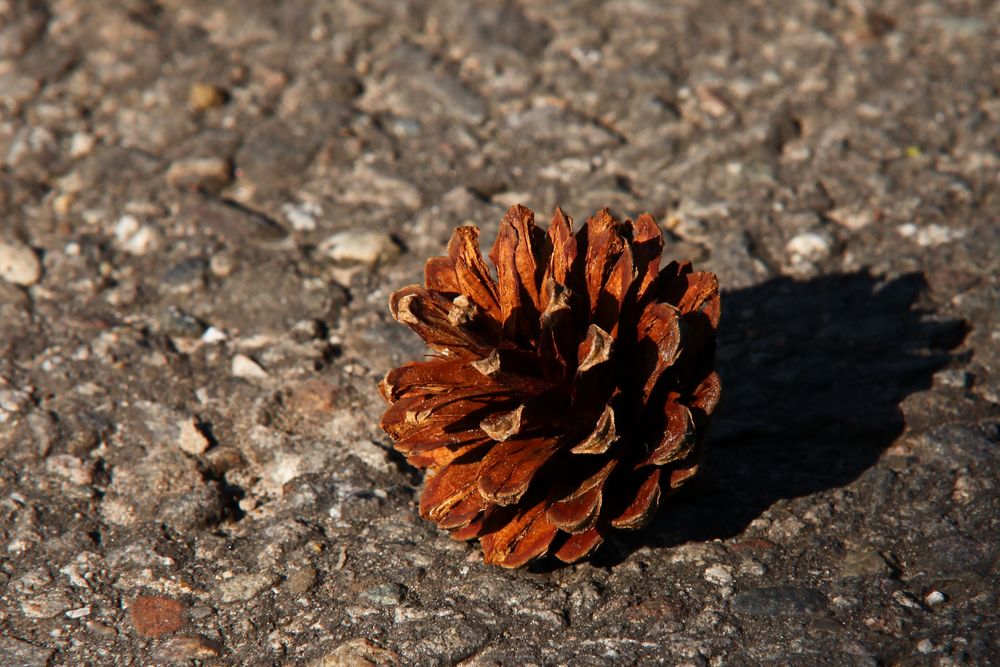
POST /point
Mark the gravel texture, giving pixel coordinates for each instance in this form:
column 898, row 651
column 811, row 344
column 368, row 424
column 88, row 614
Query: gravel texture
column 203, row 210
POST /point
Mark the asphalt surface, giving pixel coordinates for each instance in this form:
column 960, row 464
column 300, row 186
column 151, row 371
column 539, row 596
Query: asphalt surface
column 204, row 208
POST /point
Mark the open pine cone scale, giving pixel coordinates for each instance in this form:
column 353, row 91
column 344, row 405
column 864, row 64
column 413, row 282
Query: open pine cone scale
column 566, row 395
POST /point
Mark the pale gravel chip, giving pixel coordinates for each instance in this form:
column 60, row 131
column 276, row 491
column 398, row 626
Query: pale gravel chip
column 809, row 246
column 71, row 468
column 360, row 246
column 930, row 236
column 135, row 237
column 243, row 587
column 302, row 217
column 245, row 367
column 46, row 605
column 191, row 439
column 19, row 264
column 720, row 575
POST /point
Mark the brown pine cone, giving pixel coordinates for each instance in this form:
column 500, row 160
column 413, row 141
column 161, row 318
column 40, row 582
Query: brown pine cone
column 566, row 396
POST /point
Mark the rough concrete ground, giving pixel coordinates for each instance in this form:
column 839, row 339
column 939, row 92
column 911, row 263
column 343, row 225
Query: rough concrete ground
column 203, row 209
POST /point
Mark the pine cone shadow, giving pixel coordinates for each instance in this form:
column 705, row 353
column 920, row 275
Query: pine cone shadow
column 813, row 376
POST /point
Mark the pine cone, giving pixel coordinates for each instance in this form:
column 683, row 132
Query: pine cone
column 565, row 396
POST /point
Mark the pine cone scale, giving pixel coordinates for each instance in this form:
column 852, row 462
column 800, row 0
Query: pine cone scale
column 645, row 502
column 439, row 276
column 509, row 467
column 513, row 254
column 471, row 273
column 435, row 458
column 449, row 417
column 579, row 545
column 602, row 437
column 647, row 249
column 604, row 247
column 430, row 377
column 707, row 394
column 594, row 385
column 570, row 393
column 561, row 250
column 452, row 485
column 524, row 537
column 693, row 292
column 594, row 349
column 680, row 475
column 611, row 297
column 427, row 314
column 577, row 512
column 658, row 344
column 678, row 436
column 557, row 344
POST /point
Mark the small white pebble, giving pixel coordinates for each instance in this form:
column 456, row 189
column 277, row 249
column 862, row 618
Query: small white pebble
column 14, row 401
column 925, row 646
column 134, row 237
column 302, row 217
column 19, row 264
column 81, row 144
column 245, row 367
column 720, row 575
column 191, row 439
column 199, row 171
column 905, row 599
column 842, row 602
column 126, row 226
column 751, row 567
column 931, row 235
column 934, row 598
column 248, row 504
column 70, row 468
column 951, row 377
column 809, row 246
column 213, row 335
column 852, row 218
column 78, row 613
column 221, row 265
column 363, row 247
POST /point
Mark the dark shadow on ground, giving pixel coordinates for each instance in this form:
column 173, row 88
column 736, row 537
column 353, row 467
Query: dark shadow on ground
column 813, row 376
